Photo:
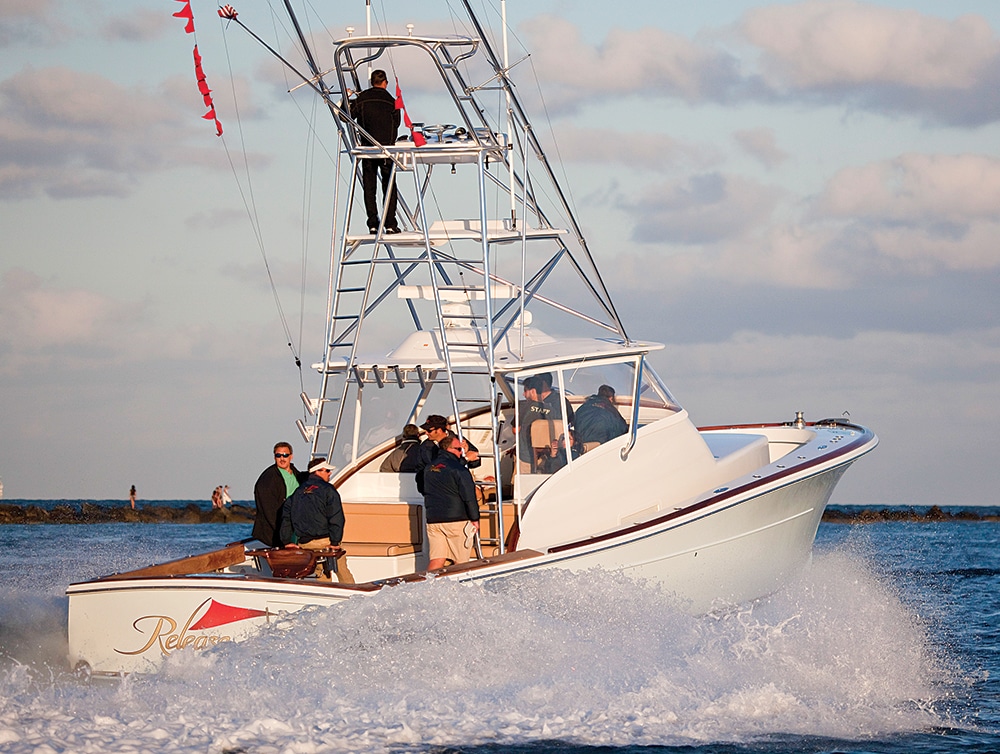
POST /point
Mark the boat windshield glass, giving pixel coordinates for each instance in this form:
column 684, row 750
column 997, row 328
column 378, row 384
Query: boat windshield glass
column 380, row 401
column 566, row 411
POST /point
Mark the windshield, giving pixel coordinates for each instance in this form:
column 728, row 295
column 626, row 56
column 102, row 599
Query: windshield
column 566, row 411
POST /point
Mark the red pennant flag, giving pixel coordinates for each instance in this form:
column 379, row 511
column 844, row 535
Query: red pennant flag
column 187, row 13
column 199, row 72
column 206, row 93
column 418, row 138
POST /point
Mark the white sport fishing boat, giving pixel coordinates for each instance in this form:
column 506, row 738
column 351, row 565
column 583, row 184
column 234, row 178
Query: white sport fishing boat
column 490, row 282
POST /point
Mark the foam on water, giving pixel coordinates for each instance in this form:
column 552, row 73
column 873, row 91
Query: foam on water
column 587, row 658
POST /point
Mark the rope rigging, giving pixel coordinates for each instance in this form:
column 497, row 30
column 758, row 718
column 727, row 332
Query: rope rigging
column 310, row 73
column 250, row 205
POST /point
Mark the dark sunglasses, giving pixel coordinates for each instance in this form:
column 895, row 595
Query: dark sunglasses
column 282, row 455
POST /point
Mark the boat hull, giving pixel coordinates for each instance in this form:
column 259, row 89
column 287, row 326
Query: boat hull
column 726, row 554
column 734, row 544
column 135, row 625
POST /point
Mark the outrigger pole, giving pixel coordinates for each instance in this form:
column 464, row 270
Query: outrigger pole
column 604, row 296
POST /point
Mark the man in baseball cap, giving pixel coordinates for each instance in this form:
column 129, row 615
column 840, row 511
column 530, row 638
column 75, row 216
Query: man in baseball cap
column 436, row 427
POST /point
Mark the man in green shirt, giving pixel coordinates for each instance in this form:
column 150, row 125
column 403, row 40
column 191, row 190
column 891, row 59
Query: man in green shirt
column 275, row 483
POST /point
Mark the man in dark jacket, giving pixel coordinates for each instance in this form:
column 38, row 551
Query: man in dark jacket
column 541, row 401
column 405, row 458
column 275, row 483
column 436, row 427
column 549, row 397
column 314, row 516
column 375, row 111
column 450, row 506
column 598, row 420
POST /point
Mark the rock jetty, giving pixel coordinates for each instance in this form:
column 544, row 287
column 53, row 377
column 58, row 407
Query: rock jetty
column 859, row 515
column 90, row 513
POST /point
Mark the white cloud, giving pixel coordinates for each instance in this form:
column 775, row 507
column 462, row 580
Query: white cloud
column 40, row 317
column 37, row 10
column 60, row 327
column 644, row 150
column 760, row 143
column 831, row 42
column 70, row 133
column 139, row 25
column 880, row 58
column 940, row 187
column 783, row 256
column 839, row 51
column 46, row 326
column 706, row 208
column 787, row 256
column 930, row 212
column 913, row 215
column 926, row 252
column 650, row 61
column 28, row 22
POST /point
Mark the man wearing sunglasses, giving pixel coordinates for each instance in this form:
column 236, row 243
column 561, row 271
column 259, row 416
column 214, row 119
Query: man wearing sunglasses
column 275, row 483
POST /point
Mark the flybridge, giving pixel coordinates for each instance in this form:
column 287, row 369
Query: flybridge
column 487, row 247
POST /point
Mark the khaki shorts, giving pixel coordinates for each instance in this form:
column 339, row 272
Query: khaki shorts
column 344, row 575
column 448, row 541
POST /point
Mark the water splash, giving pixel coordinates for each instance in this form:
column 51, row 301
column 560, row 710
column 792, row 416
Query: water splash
column 588, row 658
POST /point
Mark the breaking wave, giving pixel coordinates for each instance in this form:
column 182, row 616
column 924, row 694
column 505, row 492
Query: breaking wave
column 586, row 659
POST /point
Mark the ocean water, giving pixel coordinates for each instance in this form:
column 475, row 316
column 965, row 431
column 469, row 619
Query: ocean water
column 888, row 642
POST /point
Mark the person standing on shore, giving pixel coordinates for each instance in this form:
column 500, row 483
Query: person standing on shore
column 274, row 484
column 226, row 498
column 131, row 496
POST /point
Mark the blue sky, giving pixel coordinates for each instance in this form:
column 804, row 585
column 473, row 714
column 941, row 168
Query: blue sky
column 802, row 200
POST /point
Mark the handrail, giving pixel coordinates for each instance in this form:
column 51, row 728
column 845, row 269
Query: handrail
column 635, row 410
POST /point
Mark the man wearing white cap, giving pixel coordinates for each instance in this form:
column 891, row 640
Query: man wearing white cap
column 313, row 517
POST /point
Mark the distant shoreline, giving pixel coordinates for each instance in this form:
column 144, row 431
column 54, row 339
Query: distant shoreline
column 83, row 512
column 931, row 514
column 92, row 513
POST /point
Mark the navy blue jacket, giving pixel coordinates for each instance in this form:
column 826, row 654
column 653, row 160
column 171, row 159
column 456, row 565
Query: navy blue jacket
column 598, row 421
column 449, row 491
column 429, row 452
column 312, row 512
